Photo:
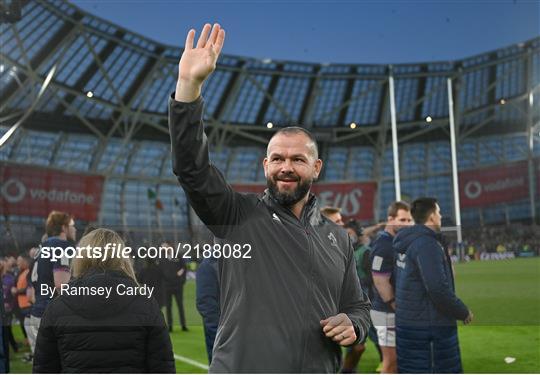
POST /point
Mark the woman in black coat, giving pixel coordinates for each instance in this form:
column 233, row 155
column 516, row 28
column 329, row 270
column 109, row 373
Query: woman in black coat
column 110, row 332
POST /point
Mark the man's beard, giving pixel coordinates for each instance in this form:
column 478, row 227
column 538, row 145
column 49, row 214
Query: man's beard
column 288, row 198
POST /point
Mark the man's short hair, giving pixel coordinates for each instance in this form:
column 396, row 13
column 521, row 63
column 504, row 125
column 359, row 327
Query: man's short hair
column 329, row 210
column 55, row 221
column 355, row 226
column 421, row 208
column 293, row 130
column 396, row 206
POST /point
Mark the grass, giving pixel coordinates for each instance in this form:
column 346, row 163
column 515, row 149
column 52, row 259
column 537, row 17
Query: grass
column 505, row 299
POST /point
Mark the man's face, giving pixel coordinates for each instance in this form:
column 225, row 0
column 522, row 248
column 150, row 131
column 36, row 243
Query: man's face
column 21, row 263
column 402, row 219
column 336, row 218
column 436, row 218
column 71, row 231
column 352, row 234
column 290, row 167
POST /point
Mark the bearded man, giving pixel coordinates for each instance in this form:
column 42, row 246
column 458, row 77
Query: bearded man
column 289, row 293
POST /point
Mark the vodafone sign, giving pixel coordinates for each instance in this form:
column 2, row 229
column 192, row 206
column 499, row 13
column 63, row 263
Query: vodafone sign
column 500, row 184
column 355, row 199
column 32, row 191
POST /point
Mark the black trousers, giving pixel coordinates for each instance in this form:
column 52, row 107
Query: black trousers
column 178, row 294
column 21, row 315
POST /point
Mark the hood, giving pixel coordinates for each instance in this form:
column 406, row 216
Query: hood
column 99, row 306
column 408, row 235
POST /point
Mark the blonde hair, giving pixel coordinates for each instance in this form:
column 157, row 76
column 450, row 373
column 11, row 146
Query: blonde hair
column 99, row 238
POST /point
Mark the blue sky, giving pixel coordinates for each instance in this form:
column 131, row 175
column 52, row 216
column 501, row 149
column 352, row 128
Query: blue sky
column 335, row 31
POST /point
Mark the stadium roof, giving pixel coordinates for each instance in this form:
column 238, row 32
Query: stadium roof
column 112, row 82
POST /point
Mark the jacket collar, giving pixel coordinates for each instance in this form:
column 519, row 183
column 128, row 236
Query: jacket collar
column 310, row 213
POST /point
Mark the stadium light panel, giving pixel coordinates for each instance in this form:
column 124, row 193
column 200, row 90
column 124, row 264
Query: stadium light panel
column 90, row 94
column 269, row 125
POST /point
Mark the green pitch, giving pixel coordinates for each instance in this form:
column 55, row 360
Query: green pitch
column 505, row 299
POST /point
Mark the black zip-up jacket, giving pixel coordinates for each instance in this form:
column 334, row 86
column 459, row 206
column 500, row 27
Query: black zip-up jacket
column 300, row 271
column 95, row 334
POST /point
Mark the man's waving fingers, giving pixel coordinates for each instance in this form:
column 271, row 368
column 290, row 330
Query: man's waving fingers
column 219, row 41
column 204, row 36
column 189, row 39
column 213, row 35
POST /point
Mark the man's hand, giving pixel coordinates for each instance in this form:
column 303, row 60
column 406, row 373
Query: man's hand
column 469, row 318
column 339, row 328
column 198, row 62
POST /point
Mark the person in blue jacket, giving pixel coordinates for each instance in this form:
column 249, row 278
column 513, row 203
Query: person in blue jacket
column 427, row 307
column 208, row 301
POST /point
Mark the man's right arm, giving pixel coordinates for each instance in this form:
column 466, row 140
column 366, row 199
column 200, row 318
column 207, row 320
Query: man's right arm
column 212, row 198
column 208, row 193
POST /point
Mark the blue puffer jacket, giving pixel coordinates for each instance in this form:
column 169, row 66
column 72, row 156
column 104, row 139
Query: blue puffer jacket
column 426, row 305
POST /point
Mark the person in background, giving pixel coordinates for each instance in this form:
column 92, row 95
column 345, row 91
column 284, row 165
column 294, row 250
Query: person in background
column 20, row 292
column 10, row 302
column 361, row 255
column 174, row 276
column 382, row 262
column 60, row 232
column 471, row 251
column 207, row 300
column 4, row 345
column 334, row 214
column 151, row 275
column 118, row 333
column 30, row 294
column 426, row 304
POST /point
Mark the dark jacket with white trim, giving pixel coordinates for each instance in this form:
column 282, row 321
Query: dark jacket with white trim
column 300, row 270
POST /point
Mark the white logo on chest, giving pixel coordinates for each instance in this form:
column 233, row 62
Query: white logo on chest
column 333, row 240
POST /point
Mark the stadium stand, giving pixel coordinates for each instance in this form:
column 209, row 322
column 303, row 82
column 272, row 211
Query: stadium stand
column 105, row 113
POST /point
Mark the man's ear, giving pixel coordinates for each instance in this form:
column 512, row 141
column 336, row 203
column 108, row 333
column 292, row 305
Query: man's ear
column 430, row 219
column 265, row 164
column 318, row 167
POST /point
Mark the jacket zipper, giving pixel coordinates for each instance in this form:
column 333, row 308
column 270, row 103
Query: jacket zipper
column 310, row 288
column 301, row 222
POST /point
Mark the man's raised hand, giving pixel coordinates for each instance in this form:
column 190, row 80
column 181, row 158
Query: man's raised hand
column 198, row 62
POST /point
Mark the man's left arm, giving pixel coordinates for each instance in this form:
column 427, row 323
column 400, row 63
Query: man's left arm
column 430, row 262
column 354, row 302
